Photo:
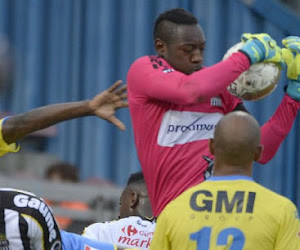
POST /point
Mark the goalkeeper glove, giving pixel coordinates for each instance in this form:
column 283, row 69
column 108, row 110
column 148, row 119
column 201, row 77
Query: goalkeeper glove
column 261, row 48
column 291, row 56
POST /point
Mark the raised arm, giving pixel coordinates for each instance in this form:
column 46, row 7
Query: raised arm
column 280, row 124
column 153, row 78
column 103, row 105
column 168, row 85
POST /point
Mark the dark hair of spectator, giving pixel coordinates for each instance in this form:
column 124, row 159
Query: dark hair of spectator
column 65, row 170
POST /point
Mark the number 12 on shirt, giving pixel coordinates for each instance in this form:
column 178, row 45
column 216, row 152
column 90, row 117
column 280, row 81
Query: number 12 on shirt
column 203, row 236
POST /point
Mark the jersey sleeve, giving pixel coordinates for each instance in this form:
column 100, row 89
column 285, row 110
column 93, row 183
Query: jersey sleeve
column 4, row 147
column 153, row 78
column 160, row 237
column 77, row 242
column 231, row 102
column 288, row 236
column 275, row 130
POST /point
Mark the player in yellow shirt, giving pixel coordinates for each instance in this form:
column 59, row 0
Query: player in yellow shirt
column 103, row 105
column 230, row 210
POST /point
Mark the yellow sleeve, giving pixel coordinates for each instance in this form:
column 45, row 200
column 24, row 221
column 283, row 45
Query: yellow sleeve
column 160, row 239
column 288, row 236
column 4, row 147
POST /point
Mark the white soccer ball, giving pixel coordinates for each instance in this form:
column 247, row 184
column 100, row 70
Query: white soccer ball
column 257, row 82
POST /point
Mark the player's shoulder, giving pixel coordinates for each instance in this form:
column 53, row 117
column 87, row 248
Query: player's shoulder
column 137, row 70
column 17, row 191
column 142, row 61
column 150, row 62
column 179, row 203
column 137, row 220
column 271, row 195
column 92, row 230
column 120, row 225
column 4, row 147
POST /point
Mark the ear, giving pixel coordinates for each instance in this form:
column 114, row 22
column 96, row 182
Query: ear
column 160, row 47
column 212, row 146
column 258, row 152
column 134, row 199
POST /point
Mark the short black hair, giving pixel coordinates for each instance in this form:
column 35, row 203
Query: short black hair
column 175, row 16
column 136, row 178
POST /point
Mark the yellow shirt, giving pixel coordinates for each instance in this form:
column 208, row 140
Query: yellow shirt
column 230, row 212
column 4, row 147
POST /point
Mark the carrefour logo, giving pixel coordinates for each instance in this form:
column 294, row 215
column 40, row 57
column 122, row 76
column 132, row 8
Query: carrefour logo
column 129, row 230
column 135, row 238
column 180, row 127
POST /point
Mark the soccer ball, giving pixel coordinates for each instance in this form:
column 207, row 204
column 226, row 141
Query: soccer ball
column 257, row 82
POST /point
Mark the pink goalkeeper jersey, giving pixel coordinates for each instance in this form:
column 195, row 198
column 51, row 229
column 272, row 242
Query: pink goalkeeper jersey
column 171, row 128
column 174, row 115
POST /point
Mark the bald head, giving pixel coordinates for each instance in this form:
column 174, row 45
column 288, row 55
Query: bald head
column 236, row 140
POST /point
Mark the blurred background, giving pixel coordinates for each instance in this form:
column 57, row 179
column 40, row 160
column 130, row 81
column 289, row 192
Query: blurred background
column 69, row 50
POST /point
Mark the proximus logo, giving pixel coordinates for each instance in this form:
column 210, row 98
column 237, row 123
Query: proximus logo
column 180, row 127
column 191, row 127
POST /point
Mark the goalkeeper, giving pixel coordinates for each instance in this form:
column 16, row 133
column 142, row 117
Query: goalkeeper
column 175, row 104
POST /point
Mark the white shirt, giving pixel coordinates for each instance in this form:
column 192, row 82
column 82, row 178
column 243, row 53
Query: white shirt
column 133, row 231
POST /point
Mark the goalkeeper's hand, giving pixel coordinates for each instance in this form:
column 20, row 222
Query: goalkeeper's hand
column 261, row 48
column 291, row 56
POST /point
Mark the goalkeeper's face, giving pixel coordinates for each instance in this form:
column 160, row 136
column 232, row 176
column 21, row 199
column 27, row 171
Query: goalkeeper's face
column 184, row 49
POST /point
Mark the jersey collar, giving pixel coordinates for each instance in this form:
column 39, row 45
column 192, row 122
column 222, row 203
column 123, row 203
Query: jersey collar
column 230, row 178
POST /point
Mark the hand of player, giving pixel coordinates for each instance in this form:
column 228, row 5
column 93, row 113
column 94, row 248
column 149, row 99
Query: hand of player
column 261, row 48
column 291, row 56
column 105, row 104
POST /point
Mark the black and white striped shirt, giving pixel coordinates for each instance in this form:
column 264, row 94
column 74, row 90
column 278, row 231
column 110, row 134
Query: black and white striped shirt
column 26, row 222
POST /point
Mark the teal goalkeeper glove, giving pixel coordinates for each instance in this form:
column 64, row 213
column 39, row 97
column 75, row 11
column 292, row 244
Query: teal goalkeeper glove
column 291, row 56
column 261, row 48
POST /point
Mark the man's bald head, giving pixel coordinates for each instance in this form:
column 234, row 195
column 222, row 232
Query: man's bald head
column 236, row 140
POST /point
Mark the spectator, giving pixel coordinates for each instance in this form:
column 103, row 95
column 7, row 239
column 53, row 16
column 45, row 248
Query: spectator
column 62, row 172
column 65, row 172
